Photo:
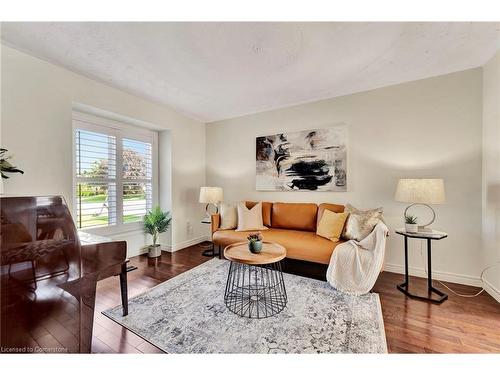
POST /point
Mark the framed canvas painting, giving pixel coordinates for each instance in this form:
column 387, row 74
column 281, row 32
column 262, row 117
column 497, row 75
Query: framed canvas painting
column 308, row 160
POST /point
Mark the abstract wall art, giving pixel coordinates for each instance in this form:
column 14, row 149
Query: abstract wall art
column 310, row 160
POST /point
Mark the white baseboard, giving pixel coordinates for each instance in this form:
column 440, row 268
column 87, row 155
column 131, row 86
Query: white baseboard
column 447, row 276
column 437, row 275
column 139, row 251
column 170, row 248
column 184, row 244
column 492, row 291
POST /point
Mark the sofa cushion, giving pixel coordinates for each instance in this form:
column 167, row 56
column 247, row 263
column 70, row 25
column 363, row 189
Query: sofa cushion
column 300, row 245
column 266, row 211
column 337, row 208
column 297, row 216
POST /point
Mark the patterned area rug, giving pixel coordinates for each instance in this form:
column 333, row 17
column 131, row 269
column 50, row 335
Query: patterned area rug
column 187, row 314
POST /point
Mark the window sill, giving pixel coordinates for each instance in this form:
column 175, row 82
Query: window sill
column 131, row 228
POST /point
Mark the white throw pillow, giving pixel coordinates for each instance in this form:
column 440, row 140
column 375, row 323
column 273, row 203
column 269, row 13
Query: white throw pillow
column 250, row 219
column 228, row 216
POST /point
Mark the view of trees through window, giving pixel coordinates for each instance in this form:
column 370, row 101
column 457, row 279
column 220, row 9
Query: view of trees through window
column 136, row 177
column 96, row 167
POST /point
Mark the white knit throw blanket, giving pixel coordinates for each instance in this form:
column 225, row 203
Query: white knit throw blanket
column 355, row 266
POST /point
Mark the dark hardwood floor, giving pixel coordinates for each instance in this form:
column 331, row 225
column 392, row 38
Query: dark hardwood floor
column 459, row 325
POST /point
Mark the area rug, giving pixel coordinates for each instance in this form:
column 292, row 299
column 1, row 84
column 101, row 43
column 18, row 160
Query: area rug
column 187, row 314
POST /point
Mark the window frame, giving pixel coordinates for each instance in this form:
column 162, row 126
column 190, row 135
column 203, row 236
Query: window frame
column 119, row 130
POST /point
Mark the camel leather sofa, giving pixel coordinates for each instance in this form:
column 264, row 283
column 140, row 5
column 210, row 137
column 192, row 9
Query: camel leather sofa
column 292, row 225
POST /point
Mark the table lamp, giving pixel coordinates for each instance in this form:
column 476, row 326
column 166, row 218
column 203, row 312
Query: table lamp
column 421, row 191
column 210, row 195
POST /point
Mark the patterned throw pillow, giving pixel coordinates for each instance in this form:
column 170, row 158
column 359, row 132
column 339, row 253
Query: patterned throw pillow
column 360, row 223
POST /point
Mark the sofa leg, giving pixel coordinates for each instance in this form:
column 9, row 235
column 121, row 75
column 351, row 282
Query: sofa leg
column 220, row 251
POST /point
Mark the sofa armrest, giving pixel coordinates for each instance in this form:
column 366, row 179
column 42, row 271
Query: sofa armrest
column 215, row 222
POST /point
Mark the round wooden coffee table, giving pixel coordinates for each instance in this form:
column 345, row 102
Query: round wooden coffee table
column 255, row 287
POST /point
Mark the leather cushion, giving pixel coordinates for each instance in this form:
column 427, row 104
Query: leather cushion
column 300, row 245
column 298, row 216
column 266, row 211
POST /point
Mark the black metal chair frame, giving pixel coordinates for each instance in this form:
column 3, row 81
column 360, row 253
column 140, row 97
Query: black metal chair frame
column 255, row 291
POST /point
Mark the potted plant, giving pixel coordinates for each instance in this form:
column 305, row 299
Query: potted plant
column 411, row 225
column 155, row 222
column 255, row 242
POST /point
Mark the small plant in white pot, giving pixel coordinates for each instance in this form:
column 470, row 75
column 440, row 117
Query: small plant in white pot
column 155, row 222
column 411, row 225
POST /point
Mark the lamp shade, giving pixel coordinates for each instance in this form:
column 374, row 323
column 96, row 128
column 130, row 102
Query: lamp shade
column 210, row 194
column 420, row 190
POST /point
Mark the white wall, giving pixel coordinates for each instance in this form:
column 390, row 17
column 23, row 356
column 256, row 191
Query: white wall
column 426, row 128
column 491, row 173
column 37, row 101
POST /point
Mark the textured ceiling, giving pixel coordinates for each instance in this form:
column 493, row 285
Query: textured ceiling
column 213, row 71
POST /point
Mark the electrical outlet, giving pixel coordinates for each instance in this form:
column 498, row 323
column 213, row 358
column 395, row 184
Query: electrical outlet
column 189, row 227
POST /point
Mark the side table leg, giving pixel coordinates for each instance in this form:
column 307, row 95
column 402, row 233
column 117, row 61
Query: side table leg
column 403, row 288
column 431, row 289
column 429, row 266
column 210, row 251
column 406, row 261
